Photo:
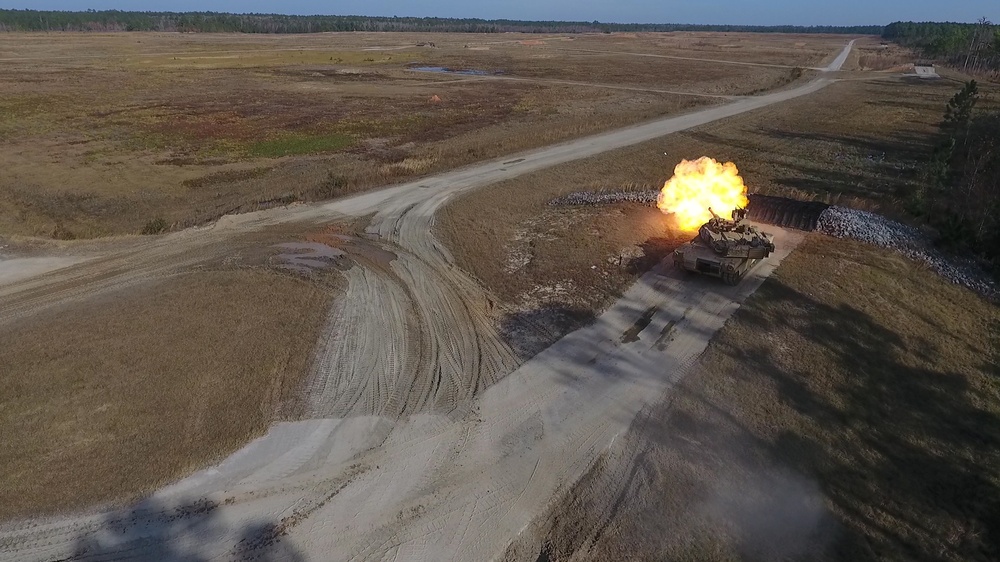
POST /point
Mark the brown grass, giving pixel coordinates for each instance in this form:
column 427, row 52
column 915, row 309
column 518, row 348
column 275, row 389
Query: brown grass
column 107, row 399
column 780, row 49
column 849, row 411
column 884, row 57
column 600, row 67
column 855, row 143
column 102, row 133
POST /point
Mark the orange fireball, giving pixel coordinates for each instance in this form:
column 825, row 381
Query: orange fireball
column 699, row 185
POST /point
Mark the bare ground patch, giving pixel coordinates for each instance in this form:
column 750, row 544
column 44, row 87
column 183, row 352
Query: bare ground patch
column 109, row 398
column 551, row 268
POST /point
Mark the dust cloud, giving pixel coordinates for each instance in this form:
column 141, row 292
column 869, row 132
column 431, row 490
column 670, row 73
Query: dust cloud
column 776, row 515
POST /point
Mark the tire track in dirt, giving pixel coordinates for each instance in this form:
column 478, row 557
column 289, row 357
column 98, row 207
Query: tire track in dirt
column 540, row 429
column 98, row 276
column 462, row 461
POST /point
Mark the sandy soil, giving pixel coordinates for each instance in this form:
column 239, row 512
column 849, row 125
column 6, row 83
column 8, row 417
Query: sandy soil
column 16, row 269
column 456, row 478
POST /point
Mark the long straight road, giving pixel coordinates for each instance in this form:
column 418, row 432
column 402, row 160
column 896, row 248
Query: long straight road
column 456, row 449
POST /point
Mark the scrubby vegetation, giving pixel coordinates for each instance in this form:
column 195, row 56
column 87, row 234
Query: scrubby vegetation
column 961, row 197
column 849, row 411
column 971, row 47
column 155, row 226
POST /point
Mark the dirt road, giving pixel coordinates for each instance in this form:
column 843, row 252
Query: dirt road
column 424, row 446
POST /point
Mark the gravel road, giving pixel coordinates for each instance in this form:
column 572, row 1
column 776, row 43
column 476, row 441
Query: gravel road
column 428, row 442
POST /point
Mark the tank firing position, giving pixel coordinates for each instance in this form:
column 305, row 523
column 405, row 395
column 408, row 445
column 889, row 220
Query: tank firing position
column 725, row 248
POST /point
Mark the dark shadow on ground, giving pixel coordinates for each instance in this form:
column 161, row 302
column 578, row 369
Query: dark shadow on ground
column 653, row 251
column 182, row 532
column 828, row 165
column 880, row 457
column 528, row 332
column 905, row 456
column 887, row 166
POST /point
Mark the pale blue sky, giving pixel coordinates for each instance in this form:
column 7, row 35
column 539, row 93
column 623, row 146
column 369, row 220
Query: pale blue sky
column 771, row 12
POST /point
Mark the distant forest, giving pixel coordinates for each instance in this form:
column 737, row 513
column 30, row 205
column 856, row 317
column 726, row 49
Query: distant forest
column 114, row 20
column 972, row 47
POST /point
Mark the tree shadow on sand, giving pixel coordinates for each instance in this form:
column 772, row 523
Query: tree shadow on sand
column 765, row 458
column 905, row 456
column 528, row 332
column 182, row 532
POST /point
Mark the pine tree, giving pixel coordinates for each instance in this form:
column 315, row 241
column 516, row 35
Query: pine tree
column 959, row 109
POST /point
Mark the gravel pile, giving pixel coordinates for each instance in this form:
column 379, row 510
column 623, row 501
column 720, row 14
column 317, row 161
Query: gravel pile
column 606, row 197
column 908, row 241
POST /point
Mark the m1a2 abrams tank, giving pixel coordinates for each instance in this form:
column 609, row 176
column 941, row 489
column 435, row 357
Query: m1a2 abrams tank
column 725, row 248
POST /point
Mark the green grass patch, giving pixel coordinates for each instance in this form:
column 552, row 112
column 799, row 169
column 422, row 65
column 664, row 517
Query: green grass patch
column 295, row 145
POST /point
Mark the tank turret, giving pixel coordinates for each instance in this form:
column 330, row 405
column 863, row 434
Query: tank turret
column 725, row 248
column 734, row 238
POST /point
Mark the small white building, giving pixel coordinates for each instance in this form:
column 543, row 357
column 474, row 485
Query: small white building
column 925, row 70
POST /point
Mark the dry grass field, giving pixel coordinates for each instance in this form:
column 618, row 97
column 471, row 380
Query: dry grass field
column 756, row 48
column 105, row 133
column 106, row 399
column 858, row 143
column 850, row 410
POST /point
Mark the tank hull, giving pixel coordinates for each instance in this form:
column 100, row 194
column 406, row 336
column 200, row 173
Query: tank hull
column 698, row 257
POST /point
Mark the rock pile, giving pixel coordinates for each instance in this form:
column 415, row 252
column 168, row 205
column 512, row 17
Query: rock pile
column 908, row 241
column 606, row 197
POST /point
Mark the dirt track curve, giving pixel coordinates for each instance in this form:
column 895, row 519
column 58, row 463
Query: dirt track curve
column 428, row 442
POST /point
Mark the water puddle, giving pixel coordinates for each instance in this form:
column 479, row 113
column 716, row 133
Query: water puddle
column 307, row 256
column 332, row 249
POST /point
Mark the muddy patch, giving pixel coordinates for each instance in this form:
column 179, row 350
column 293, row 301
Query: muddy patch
column 304, row 257
column 356, row 246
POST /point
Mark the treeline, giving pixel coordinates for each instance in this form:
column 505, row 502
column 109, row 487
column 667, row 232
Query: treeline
column 962, row 195
column 971, row 47
column 114, row 20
